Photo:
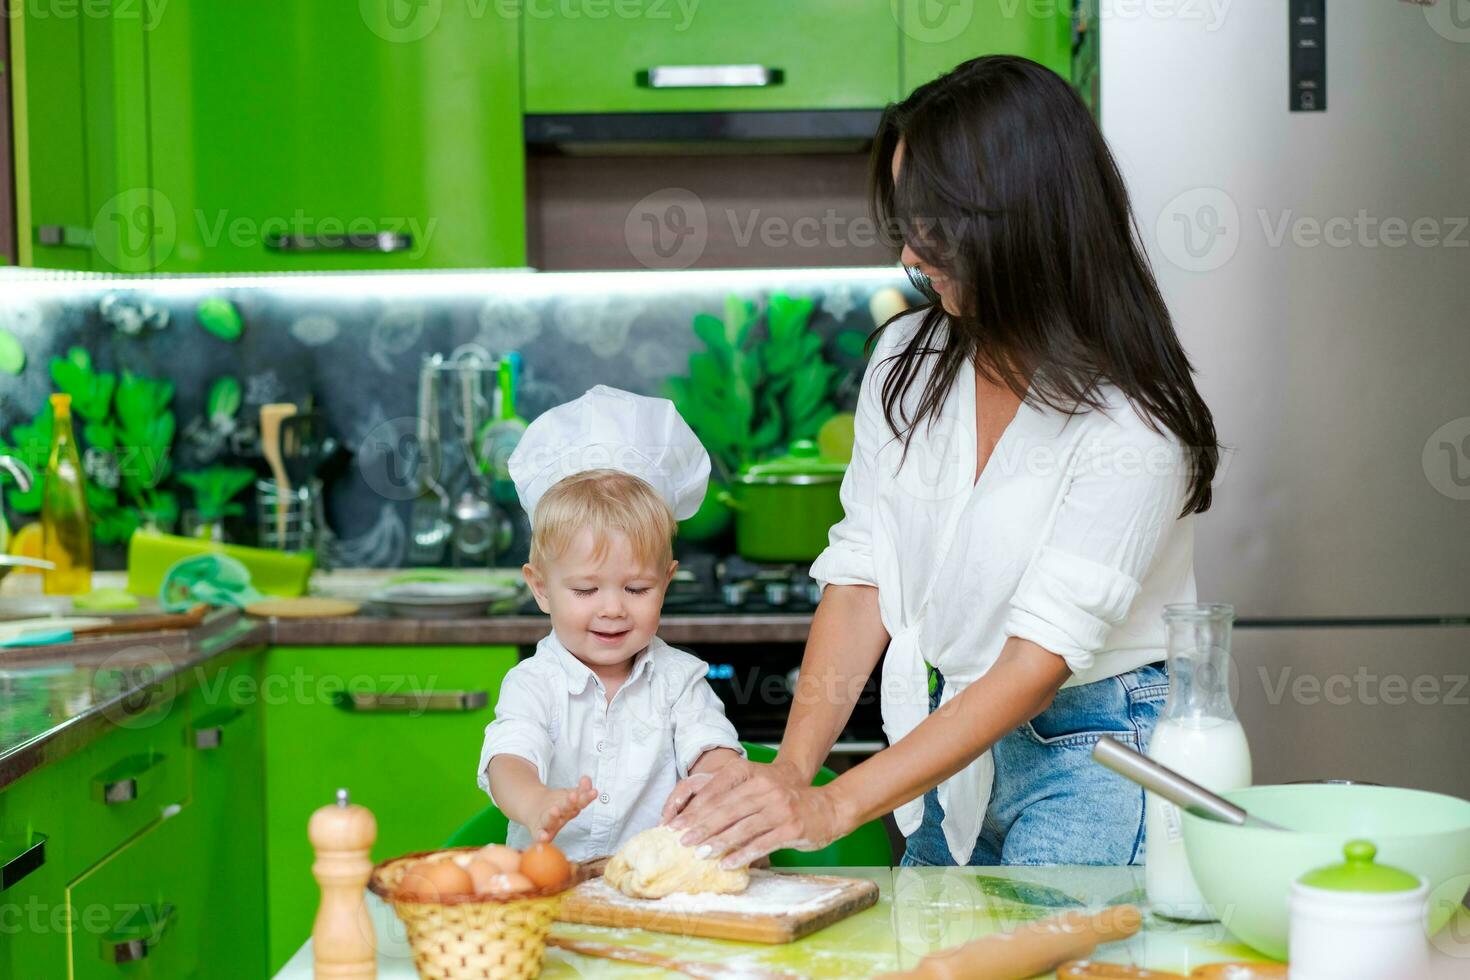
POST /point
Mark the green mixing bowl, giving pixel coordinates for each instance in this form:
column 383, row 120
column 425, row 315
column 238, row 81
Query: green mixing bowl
column 1246, row 874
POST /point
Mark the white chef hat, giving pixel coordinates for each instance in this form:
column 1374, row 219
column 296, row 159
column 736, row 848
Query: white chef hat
column 617, row 430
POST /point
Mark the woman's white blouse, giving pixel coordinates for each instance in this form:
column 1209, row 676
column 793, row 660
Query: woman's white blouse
column 1071, row 539
column 553, row 712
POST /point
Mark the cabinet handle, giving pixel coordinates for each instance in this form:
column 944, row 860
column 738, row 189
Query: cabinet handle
column 415, row 701
column 117, row 950
column 381, row 242
column 64, row 236
column 28, row 860
column 126, row 781
column 711, row 76
column 211, row 734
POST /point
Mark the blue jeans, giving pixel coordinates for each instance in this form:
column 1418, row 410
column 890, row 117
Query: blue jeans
column 1051, row 804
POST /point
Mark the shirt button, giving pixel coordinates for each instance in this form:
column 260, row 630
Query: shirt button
column 601, row 746
column 604, row 798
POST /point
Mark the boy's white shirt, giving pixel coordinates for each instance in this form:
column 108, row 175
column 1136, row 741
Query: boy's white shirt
column 554, row 713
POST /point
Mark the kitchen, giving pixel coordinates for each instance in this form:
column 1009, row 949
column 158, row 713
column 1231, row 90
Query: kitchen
column 422, row 226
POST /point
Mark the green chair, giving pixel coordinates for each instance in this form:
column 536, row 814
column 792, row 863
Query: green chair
column 865, row 847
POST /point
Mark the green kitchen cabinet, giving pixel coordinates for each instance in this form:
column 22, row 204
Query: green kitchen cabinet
column 141, row 913
column 288, row 136
column 82, row 179
column 938, row 35
column 399, row 727
column 225, row 734
column 745, row 55
column 32, row 877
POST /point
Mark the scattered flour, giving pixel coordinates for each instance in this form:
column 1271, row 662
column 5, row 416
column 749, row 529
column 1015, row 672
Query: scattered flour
column 768, row 894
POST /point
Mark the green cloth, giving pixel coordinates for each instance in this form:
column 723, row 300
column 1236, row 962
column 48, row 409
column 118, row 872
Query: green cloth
column 216, row 579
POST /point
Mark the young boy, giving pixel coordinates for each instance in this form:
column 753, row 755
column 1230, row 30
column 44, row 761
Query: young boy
column 592, row 733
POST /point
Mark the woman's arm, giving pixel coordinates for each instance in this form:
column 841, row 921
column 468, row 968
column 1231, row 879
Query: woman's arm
column 846, row 640
column 847, row 637
column 777, row 808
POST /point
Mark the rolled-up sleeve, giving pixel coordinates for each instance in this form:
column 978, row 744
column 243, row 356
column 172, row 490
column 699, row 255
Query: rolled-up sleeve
column 1127, row 489
column 525, row 719
column 848, row 557
column 699, row 722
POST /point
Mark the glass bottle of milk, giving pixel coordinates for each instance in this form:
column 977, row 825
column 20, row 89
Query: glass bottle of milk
column 1199, row 737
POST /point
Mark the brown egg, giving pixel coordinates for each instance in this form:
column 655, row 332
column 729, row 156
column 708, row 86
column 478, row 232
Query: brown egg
column 481, row 871
column 434, row 881
column 507, row 859
column 511, row 883
column 546, row 865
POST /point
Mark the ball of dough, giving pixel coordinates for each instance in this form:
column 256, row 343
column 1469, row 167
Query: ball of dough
column 654, row 864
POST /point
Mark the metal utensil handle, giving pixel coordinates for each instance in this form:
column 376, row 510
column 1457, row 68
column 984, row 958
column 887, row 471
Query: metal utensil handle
column 710, row 76
column 379, row 242
column 1140, row 769
column 416, row 701
column 28, row 860
column 130, row 950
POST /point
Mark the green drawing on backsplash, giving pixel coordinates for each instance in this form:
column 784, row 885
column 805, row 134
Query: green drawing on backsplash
column 220, row 317
column 127, row 427
column 752, row 392
column 12, row 354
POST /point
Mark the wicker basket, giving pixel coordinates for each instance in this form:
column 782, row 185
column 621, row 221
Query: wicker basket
column 472, row 937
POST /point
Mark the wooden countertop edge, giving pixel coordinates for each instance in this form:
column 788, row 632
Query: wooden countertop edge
column 227, row 632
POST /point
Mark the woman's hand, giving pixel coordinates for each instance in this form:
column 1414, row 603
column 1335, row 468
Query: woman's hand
column 746, row 810
column 558, row 807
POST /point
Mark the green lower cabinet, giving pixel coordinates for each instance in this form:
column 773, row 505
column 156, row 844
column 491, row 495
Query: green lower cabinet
column 399, row 727
column 939, row 35
column 141, row 913
column 226, row 737
column 33, row 917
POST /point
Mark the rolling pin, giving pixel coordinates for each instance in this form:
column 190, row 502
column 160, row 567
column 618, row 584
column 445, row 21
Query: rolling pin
column 1032, row 949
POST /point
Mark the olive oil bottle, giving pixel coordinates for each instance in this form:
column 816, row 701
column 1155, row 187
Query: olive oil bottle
column 66, row 528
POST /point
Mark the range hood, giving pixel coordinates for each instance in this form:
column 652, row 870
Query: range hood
column 640, row 133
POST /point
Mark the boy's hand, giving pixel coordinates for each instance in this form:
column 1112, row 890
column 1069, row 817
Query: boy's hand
column 559, row 807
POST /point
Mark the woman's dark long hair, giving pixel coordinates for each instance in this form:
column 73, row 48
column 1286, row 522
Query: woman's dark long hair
column 1007, row 185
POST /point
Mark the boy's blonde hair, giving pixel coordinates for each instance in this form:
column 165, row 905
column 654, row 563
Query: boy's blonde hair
column 605, row 502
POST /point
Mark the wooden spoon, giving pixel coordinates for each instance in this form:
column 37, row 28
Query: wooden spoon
column 270, row 445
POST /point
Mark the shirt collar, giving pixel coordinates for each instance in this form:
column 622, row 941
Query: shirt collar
column 579, row 675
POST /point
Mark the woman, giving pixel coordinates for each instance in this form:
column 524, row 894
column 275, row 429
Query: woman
column 1030, row 451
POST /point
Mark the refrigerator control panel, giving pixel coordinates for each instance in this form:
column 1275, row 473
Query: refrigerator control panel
column 1308, row 55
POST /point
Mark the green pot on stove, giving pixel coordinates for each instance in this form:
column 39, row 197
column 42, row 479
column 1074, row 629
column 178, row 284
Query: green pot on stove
column 785, row 506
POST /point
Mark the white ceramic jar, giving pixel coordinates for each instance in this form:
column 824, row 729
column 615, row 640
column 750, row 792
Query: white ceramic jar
column 1359, row 921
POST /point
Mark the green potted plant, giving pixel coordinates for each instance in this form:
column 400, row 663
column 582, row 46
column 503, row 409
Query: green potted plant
column 215, row 489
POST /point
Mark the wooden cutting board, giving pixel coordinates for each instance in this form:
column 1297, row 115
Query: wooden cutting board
column 777, row 908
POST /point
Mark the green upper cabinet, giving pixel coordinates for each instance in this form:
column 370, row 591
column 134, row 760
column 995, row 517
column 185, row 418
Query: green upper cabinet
column 938, row 35
column 86, row 198
column 727, row 55
column 307, row 136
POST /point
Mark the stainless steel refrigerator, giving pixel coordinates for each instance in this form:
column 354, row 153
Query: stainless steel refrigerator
column 1301, row 174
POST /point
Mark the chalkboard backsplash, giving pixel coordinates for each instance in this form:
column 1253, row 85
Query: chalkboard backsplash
column 351, row 345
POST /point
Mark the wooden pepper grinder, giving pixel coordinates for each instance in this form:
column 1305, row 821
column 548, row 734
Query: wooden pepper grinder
column 343, row 941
